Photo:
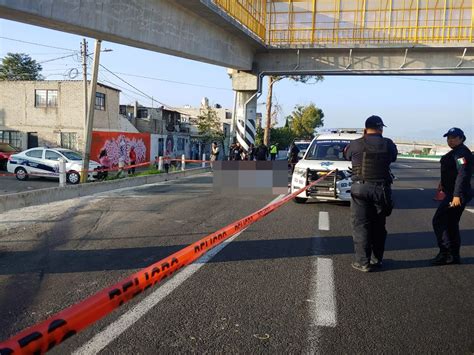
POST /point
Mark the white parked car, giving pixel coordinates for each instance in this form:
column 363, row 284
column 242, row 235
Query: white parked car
column 45, row 162
column 323, row 155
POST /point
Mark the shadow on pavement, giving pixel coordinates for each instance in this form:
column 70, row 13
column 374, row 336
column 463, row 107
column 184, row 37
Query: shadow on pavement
column 417, row 199
column 67, row 261
column 391, row 264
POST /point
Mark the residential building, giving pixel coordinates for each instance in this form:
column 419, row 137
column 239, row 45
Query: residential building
column 52, row 113
column 192, row 113
column 170, row 132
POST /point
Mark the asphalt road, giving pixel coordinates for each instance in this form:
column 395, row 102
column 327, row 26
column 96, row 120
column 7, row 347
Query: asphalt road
column 10, row 185
column 284, row 285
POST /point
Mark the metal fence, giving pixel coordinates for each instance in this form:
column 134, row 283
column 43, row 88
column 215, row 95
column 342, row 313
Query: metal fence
column 299, row 23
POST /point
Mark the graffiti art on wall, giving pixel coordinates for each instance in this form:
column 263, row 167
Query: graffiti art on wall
column 118, row 144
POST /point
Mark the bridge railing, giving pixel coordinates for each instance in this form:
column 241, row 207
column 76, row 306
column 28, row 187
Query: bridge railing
column 250, row 13
column 296, row 23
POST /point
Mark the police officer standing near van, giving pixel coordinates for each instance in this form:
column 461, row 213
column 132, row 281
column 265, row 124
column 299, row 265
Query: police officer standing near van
column 456, row 173
column 371, row 193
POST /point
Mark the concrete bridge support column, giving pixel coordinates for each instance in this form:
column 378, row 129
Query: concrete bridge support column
column 243, row 129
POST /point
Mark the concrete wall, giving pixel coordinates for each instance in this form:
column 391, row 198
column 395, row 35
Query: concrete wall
column 19, row 113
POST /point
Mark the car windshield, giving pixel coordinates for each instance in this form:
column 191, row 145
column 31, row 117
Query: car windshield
column 302, row 146
column 332, row 150
column 71, row 155
column 6, row 148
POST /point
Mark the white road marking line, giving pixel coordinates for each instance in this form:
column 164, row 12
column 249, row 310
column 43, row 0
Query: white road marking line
column 322, row 304
column 421, row 189
column 323, row 221
column 402, row 165
column 325, row 294
column 470, row 210
column 115, row 329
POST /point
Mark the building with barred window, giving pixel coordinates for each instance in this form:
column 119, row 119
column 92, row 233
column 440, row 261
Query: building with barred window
column 169, row 130
column 52, row 113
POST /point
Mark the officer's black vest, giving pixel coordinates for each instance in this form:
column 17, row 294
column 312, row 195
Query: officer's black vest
column 375, row 163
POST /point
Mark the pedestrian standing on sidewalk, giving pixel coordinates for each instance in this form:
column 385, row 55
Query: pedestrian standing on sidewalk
column 252, row 152
column 166, row 162
column 456, row 174
column 293, row 156
column 133, row 159
column 273, row 151
column 262, row 152
column 104, row 162
column 214, row 153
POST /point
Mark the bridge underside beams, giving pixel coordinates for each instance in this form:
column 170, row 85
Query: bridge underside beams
column 159, row 25
column 373, row 61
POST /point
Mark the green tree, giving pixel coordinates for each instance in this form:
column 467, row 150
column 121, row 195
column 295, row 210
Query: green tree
column 282, row 135
column 210, row 127
column 306, row 79
column 19, row 66
column 305, row 119
column 259, row 136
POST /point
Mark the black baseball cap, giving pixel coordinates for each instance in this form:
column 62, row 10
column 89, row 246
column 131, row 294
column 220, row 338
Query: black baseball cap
column 374, row 122
column 455, row 132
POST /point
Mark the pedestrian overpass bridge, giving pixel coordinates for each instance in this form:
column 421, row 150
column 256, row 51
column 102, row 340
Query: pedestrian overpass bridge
column 276, row 37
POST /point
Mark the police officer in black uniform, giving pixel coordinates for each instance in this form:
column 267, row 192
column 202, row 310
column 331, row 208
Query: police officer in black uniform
column 371, row 193
column 456, row 173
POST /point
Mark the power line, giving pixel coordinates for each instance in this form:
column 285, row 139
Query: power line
column 143, row 93
column 433, row 81
column 174, row 82
column 51, row 53
column 124, row 88
column 53, row 59
column 36, row 44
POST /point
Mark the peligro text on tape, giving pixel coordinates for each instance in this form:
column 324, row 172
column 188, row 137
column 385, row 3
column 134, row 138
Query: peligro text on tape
column 68, row 322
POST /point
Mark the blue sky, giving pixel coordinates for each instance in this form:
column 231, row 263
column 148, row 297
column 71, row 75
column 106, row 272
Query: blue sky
column 414, row 108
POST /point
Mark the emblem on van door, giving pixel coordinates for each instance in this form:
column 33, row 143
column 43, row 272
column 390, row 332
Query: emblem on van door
column 327, row 163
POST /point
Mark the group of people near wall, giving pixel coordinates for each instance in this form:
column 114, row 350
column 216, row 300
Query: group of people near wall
column 261, row 152
column 106, row 164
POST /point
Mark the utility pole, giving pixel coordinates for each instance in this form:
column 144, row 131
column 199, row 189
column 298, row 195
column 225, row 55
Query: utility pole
column 266, row 132
column 84, row 78
column 90, row 115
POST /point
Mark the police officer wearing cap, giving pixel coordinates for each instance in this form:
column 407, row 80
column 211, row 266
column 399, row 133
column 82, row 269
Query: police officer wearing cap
column 456, row 173
column 371, row 194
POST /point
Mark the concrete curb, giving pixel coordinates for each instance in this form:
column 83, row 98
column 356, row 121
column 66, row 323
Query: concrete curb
column 53, row 194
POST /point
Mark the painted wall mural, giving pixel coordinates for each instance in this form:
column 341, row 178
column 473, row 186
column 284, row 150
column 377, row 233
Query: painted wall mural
column 118, row 144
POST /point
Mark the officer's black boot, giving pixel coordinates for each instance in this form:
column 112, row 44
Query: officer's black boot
column 453, row 257
column 441, row 258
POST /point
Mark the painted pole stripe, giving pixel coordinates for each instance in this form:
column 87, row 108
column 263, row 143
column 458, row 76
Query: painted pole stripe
column 68, row 322
column 323, row 221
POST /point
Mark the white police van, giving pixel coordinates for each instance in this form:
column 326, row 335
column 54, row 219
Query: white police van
column 43, row 161
column 324, row 154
